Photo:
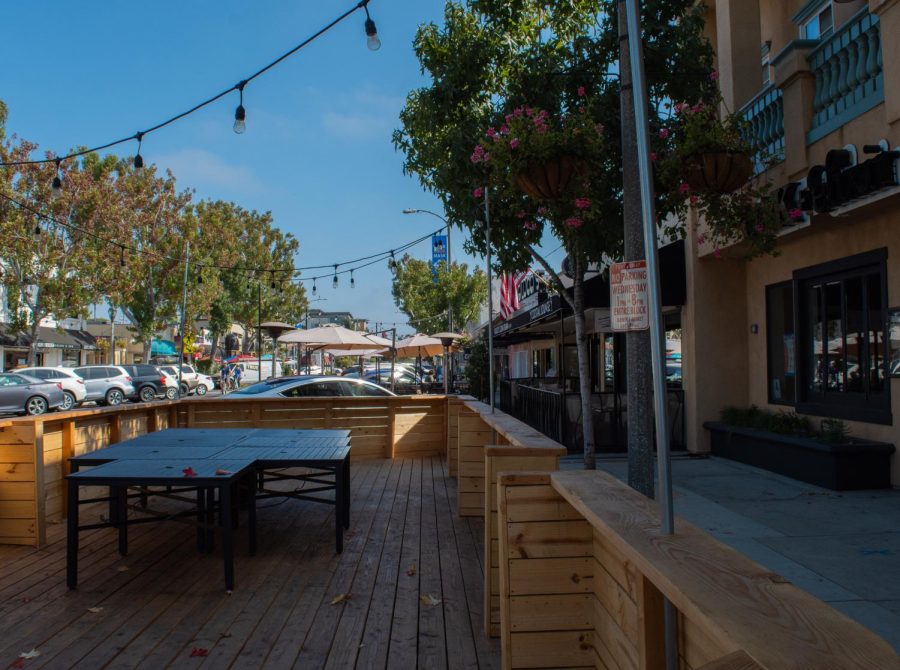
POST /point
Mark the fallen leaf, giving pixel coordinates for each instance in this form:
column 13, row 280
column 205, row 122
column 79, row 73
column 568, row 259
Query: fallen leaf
column 430, row 600
column 34, row 653
column 95, row 610
column 122, row 568
column 220, row 471
column 341, row 597
column 18, row 663
column 199, row 651
column 411, row 570
column 189, row 472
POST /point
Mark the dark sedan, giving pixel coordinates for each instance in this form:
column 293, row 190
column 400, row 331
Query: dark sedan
column 29, row 395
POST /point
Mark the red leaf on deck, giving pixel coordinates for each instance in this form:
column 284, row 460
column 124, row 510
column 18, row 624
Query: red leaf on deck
column 18, row 663
column 220, row 471
column 199, row 651
column 189, row 472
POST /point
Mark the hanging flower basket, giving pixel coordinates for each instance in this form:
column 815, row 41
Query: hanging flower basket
column 718, row 171
column 548, row 179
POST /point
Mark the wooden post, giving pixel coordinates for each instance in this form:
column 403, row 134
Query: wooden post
column 115, row 428
column 152, row 421
column 173, row 415
column 190, row 415
column 40, row 494
column 68, row 450
column 392, row 429
column 651, row 627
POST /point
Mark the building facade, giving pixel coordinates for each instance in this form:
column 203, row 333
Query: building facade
column 814, row 329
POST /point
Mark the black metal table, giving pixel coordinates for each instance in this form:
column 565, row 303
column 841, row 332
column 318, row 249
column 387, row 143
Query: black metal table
column 260, row 455
column 202, row 475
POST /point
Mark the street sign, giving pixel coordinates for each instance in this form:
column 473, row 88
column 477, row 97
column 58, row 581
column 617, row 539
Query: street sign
column 629, row 302
column 438, row 254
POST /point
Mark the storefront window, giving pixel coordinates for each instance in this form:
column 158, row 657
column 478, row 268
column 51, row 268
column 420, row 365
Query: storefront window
column 780, row 341
column 71, row 358
column 843, row 336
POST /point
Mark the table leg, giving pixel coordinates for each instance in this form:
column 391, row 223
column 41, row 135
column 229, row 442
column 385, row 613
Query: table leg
column 227, row 535
column 251, row 516
column 346, row 475
column 121, row 500
column 338, row 510
column 201, row 520
column 210, row 537
column 72, row 535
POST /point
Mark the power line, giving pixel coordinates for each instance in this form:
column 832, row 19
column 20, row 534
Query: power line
column 139, row 136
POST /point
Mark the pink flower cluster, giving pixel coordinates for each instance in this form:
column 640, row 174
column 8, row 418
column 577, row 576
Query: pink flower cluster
column 759, row 228
column 574, row 222
column 479, row 155
column 664, row 133
column 530, row 225
column 478, row 192
column 514, row 143
column 684, row 187
column 542, row 211
column 582, row 203
column 581, row 91
column 796, row 214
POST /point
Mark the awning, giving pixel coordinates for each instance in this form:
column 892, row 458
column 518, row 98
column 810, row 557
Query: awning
column 163, row 348
column 50, row 338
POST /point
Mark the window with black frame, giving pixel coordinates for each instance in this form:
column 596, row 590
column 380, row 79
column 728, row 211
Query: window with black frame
column 842, row 346
column 780, row 343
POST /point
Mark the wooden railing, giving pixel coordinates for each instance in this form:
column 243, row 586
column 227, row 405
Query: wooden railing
column 584, row 571
column 34, row 451
column 849, row 74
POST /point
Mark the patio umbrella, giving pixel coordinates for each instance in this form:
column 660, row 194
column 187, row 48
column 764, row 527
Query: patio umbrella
column 419, row 345
column 447, row 340
column 330, row 338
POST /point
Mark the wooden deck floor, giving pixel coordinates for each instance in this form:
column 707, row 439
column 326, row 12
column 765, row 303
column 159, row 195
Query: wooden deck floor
column 163, row 601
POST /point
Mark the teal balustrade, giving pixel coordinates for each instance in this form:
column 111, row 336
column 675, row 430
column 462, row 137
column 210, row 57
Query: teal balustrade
column 765, row 126
column 848, row 70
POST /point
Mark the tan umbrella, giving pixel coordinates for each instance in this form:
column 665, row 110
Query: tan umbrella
column 329, row 337
column 419, row 345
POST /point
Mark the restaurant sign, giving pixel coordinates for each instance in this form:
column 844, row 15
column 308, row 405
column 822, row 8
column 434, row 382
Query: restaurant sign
column 628, row 298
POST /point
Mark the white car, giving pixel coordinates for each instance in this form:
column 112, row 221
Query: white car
column 73, row 387
column 205, row 384
column 171, row 384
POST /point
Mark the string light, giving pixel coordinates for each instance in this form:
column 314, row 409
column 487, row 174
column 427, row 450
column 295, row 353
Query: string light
column 352, row 280
column 138, row 159
column 314, row 286
column 240, row 114
column 334, row 282
column 372, row 40
column 392, row 263
column 56, row 186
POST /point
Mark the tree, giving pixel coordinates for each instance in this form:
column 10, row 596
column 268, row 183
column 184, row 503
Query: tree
column 491, row 58
column 427, row 302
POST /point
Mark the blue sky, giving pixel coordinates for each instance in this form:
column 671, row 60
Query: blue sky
column 317, row 151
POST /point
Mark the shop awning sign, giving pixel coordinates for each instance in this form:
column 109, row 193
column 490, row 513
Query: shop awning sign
column 628, row 299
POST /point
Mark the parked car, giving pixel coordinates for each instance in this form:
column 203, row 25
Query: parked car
column 107, row 384
column 206, row 384
column 72, row 385
column 22, row 393
column 189, row 378
column 148, row 381
column 171, row 384
column 405, row 382
column 309, row 386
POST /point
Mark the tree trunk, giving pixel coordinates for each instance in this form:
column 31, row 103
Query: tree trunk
column 584, row 372
column 33, row 345
column 637, row 344
column 148, row 348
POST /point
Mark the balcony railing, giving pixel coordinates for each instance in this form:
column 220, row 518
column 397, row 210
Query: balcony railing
column 765, row 117
column 848, row 71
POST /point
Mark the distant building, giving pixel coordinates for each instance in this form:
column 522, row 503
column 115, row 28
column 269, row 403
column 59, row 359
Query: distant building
column 317, row 317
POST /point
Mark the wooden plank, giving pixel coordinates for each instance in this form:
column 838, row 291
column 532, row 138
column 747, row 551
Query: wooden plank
column 556, row 649
column 738, row 660
column 551, row 612
column 432, row 639
column 16, row 509
column 539, row 503
column 651, row 642
column 622, row 649
column 623, row 610
column 551, row 575
column 549, row 539
column 23, row 453
column 615, row 563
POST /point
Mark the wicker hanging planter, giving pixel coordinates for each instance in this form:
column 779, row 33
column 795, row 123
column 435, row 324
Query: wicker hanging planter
column 718, row 171
column 548, row 179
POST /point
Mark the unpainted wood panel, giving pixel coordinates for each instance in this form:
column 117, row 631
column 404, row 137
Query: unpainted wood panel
column 549, row 539
column 553, row 649
column 551, row 575
column 551, row 612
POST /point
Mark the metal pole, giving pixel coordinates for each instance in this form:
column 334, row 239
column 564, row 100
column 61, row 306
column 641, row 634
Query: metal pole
column 664, row 489
column 259, row 328
column 187, row 261
column 448, row 360
column 394, row 354
column 487, row 234
column 446, row 356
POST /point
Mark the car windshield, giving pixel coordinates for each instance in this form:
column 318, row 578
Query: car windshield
column 261, row 387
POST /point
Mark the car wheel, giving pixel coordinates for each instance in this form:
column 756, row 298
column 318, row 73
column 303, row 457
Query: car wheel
column 201, row 390
column 185, row 390
column 114, row 397
column 36, row 405
column 68, row 402
column 171, row 393
column 147, row 394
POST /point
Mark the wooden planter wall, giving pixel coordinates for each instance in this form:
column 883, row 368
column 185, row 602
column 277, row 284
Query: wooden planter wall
column 584, row 570
column 34, row 451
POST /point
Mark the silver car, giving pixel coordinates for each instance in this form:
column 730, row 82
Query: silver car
column 29, row 395
column 309, row 386
column 106, row 384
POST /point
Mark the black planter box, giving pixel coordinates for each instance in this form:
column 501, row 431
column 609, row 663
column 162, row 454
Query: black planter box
column 858, row 464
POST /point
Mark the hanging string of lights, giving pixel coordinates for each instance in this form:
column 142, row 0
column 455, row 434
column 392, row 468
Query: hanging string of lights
column 356, row 263
column 240, row 114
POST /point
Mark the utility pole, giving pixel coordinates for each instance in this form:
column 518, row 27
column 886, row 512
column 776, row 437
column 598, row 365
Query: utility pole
column 637, row 343
column 187, row 261
column 490, row 327
column 259, row 329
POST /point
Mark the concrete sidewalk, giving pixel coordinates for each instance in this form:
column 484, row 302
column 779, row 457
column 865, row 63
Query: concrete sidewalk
column 842, row 547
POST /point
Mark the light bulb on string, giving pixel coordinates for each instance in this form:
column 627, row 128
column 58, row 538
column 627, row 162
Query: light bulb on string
column 334, row 282
column 240, row 114
column 352, row 280
column 392, row 263
column 314, row 287
column 138, row 159
column 56, row 186
column 372, row 40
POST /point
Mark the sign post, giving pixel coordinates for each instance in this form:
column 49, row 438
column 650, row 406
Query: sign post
column 629, row 300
